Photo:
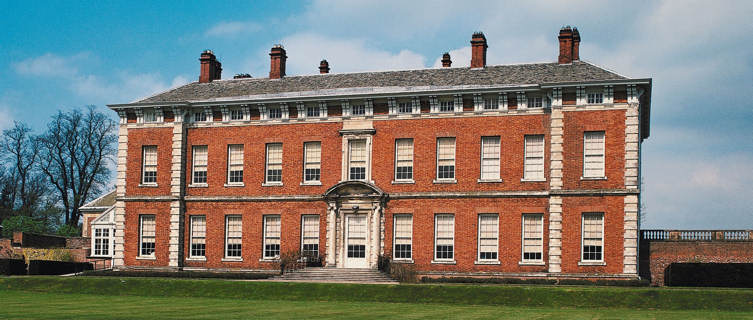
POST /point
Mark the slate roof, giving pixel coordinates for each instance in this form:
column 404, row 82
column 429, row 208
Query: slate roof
column 106, row 200
column 503, row 75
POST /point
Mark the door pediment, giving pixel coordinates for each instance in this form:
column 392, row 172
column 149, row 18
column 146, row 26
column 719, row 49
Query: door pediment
column 353, row 189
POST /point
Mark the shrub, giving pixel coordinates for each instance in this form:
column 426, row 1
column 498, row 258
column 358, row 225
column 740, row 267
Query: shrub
column 399, row 271
column 23, row 224
column 289, row 261
column 69, row 231
column 179, row 274
column 57, row 254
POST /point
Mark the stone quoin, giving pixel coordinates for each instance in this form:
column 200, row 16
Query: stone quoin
column 525, row 170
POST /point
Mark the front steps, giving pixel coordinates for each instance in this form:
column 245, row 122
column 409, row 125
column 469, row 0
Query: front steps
column 336, row 275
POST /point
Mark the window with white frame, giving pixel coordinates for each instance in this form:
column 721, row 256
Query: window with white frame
column 199, row 116
column 312, row 161
column 236, row 114
column 235, row 164
column 535, row 102
column 357, row 159
column 488, row 237
column 146, row 235
column 595, row 98
column 403, row 237
column 444, row 237
column 233, row 236
column 149, row 166
column 534, row 158
column 274, row 163
column 533, row 237
column 101, row 242
column 593, row 154
column 446, row 106
column 275, row 113
column 310, row 236
column 271, row 237
column 200, row 162
column 312, row 112
column 593, row 236
column 490, row 150
column 405, row 107
column 198, row 236
column 445, row 158
column 403, row 159
column 150, row 116
column 491, row 104
column 358, row 110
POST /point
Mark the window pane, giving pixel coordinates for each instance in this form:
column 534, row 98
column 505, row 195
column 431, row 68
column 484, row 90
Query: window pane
column 404, row 159
column 274, row 162
column 147, row 235
column 200, row 164
column 358, row 158
column 271, row 236
column 445, row 158
column 533, row 236
column 444, row 236
column 312, row 161
column 593, row 154
column 233, row 236
column 198, row 236
column 488, row 236
column 446, row 106
column 310, row 236
column 150, row 164
column 490, row 151
column 593, row 236
column 534, row 157
column 403, row 236
column 359, row 110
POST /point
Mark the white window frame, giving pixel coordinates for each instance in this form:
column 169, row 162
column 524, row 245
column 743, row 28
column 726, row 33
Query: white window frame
column 353, row 109
column 536, row 102
column 540, row 234
column 142, row 236
column 439, row 159
column 446, row 106
column 269, row 113
column 436, row 239
column 351, row 161
column 402, row 106
column 310, row 164
column 493, row 178
column 151, row 116
column 266, row 237
column 228, row 238
column 398, row 161
column 395, row 237
column 268, row 164
column 583, row 236
column 108, row 239
column 233, row 165
column 490, row 103
column 496, row 237
column 194, row 165
column 304, row 238
column 594, row 98
column 193, row 238
column 145, row 166
column 199, row 116
column 598, row 154
column 528, row 159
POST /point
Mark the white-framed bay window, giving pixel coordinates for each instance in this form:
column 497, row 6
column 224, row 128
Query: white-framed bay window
column 446, row 159
column 102, row 242
column 233, row 236
column 488, row 237
column 592, row 237
column 593, row 154
column 533, row 238
column 310, row 236
column 198, row 238
column 147, row 235
column 490, row 156
column 404, row 160
column 533, row 166
column 444, row 237
column 235, row 164
column 271, row 237
column 403, row 237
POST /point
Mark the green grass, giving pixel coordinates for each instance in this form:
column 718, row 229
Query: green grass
column 134, row 298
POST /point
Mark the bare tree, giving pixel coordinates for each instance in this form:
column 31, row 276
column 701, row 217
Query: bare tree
column 73, row 155
column 21, row 151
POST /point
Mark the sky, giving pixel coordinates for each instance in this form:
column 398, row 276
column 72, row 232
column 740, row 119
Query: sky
column 697, row 163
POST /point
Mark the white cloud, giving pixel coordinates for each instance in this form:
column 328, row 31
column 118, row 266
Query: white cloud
column 232, row 28
column 50, row 65
column 6, row 116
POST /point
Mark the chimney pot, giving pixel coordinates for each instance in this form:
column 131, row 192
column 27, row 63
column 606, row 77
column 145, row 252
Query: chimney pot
column 576, row 45
column 277, row 62
column 446, row 62
column 566, row 45
column 478, row 50
column 211, row 69
column 323, row 67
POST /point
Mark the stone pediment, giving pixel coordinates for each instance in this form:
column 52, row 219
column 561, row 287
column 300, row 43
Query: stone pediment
column 352, row 189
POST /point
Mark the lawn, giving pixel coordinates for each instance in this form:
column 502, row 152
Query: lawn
column 135, row 298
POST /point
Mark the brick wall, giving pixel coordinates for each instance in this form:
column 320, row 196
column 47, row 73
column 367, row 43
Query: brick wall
column 161, row 210
column 656, row 256
column 137, row 138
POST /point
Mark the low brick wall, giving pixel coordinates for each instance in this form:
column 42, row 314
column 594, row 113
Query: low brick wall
column 40, row 241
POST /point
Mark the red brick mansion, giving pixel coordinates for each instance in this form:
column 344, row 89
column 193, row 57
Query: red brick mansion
column 526, row 170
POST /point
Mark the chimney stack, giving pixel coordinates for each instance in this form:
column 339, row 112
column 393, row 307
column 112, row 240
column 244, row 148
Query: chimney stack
column 576, row 44
column 323, row 67
column 566, row 45
column 277, row 62
column 211, row 69
column 446, row 62
column 478, row 50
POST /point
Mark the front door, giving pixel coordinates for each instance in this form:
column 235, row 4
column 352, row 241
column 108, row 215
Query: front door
column 356, row 232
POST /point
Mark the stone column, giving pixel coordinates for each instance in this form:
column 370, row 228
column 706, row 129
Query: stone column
column 120, row 187
column 177, row 179
column 632, row 182
column 331, row 233
column 555, row 183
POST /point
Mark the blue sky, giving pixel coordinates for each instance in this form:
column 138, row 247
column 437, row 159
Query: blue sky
column 697, row 164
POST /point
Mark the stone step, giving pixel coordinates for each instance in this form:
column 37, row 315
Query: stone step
column 360, row 275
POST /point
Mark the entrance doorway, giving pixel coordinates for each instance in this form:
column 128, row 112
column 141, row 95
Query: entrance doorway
column 356, row 232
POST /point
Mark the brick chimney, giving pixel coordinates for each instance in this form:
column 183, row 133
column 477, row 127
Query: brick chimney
column 211, row 69
column 566, row 45
column 478, row 50
column 446, row 62
column 323, row 67
column 576, row 44
column 277, row 62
